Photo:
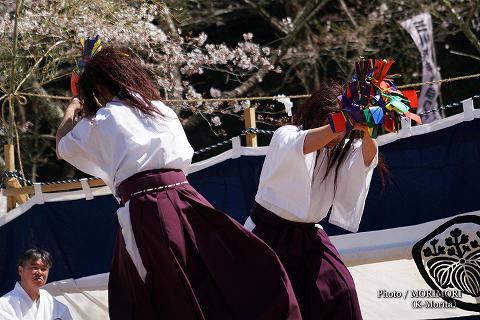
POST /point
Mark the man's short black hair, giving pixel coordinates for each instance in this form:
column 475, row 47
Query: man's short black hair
column 35, row 254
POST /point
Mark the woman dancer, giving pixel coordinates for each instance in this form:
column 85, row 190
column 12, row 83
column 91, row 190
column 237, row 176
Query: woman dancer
column 176, row 257
column 309, row 170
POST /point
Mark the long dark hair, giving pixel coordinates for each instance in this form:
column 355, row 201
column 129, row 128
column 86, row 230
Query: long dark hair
column 313, row 114
column 116, row 70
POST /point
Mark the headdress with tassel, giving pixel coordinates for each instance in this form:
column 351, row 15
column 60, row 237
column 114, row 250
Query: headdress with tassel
column 90, row 47
column 371, row 98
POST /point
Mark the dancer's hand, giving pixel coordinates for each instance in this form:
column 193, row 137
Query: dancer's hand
column 75, row 106
column 68, row 122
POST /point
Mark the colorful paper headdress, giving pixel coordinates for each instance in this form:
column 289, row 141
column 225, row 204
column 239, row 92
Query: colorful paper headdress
column 371, row 98
column 90, row 47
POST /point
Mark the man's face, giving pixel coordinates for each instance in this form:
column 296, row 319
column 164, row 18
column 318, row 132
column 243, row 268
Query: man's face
column 34, row 273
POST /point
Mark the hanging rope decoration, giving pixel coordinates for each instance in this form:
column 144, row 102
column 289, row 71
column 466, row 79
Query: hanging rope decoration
column 371, row 98
column 255, row 98
column 90, row 47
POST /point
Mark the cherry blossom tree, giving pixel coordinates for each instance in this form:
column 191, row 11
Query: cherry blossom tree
column 212, row 49
column 48, row 34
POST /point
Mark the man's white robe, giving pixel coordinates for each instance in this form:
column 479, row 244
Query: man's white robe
column 17, row 304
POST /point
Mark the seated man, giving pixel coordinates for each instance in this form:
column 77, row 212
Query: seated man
column 27, row 301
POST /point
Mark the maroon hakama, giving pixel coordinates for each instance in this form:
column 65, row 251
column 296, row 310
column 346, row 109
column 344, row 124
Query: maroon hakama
column 322, row 283
column 200, row 263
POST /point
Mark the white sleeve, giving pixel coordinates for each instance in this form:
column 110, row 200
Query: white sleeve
column 353, row 183
column 84, row 146
column 287, row 143
column 286, row 174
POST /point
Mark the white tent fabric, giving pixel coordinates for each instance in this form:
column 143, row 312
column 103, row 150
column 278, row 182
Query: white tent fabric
column 397, row 276
column 384, row 273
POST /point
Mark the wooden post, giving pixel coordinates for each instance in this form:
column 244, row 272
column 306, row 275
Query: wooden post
column 250, row 122
column 11, row 182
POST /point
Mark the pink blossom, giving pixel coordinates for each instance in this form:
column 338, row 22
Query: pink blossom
column 216, row 121
column 248, row 36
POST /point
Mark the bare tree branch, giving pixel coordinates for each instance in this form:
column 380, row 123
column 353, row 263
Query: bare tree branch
column 47, row 137
column 51, row 110
column 302, row 18
column 462, row 24
column 174, row 32
column 464, row 54
column 345, row 8
column 257, row 8
column 472, row 12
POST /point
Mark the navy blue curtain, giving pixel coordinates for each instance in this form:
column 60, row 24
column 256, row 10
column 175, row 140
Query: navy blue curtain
column 433, row 176
column 79, row 234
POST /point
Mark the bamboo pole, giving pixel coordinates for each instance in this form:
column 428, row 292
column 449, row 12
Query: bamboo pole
column 11, row 115
column 9, row 149
column 250, row 122
column 9, row 166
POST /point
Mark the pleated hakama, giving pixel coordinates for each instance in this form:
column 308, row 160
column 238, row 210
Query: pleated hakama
column 200, row 263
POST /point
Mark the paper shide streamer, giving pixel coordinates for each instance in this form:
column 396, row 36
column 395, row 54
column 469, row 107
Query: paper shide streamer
column 371, row 98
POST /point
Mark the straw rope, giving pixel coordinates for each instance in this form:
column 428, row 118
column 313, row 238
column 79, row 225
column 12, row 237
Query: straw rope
column 257, row 98
column 419, row 84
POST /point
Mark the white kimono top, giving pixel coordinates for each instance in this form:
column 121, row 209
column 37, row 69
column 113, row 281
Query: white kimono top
column 17, row 304
column 292, row 186
column 121, row 141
